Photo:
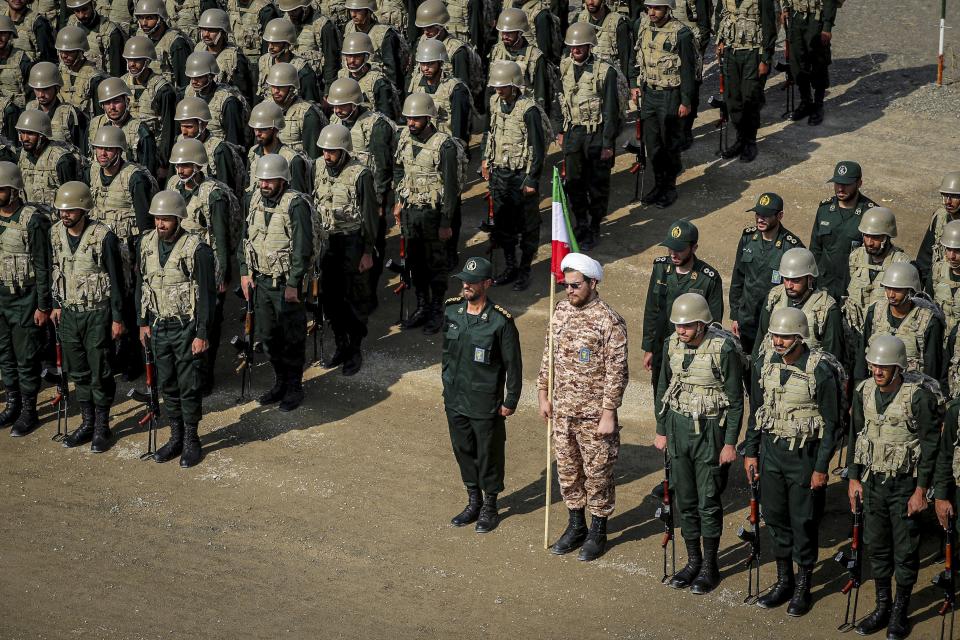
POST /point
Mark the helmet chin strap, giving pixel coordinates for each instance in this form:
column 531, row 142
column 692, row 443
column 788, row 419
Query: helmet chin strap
column 156, row 26
column 138, row 73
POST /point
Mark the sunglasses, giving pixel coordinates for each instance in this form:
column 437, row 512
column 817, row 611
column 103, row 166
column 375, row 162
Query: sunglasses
column 573, row 285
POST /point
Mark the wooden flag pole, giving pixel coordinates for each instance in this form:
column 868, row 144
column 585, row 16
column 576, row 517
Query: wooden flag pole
column 548, row 475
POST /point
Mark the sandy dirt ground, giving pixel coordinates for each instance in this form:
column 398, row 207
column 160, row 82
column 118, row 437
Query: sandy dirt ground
column 332, row 521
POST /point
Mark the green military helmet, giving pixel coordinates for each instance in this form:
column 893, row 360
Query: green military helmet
column 139, row 47
column 214, row 20
column 419, row 104
column 505, row 73
column 189, row 151
column 110, row 137
column 168, row 203
column 690, row 307
column 72, row 38
column 73, row 195
column 581, row 33
column 192, row 108
column 43, row 75
column 797, row 263
column 291, row 5
column 886, row 350
column 357, row 43
column 10, row 176
column 344, row 91
column 901, row 275
column 431, row 50
column 789, row 321
column 513, row 19
column 272, row 165
column 671, row 4
column 7, row 26
column 267, row 115
column 432, row 13
column 200, row 64
column 151, row 8
column 110, row 88
column 358, row 5
column 951, row 235
column 280, row 30
column 950, row 185
column 35, row 121
column 283, row 74
column 76, row 4
column 878, row 221
column 335, row 136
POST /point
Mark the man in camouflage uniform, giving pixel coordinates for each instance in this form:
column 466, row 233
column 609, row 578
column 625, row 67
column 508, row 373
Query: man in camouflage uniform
column 379, row 92
column 428, row 185
column 590, row 375
column 481, row 389
column 277, row 253
column 80, row 76
column 931, row 253
column 590, row 107
column 385, row 39
column 946, row 276
column 614, row 45
column 699, row 406
column 172, row 47
column 175, row 306
column 88, row 295
column 513, row 149
column 25, row 301
column 106, row 38
column 266, row 120
column 513, row 46
column 679, row 272
column 212, row 213
column 248, row 26
column 666, row 58
column 44, row 163
column 14, row 71
column 226, row 158
column 450, row 94
column 115, row 96
column 153, row 98
column 836, row 230
column 34, row 31
column 65, row 120
column 303, row 119
column 227, row 105
column 279, row 37
column 234, row 69
column 347, row 204
column 746, row 40
column 798, row 426
column 809, row 30
column 756, row 267
column 894, row 434
column 318, row 38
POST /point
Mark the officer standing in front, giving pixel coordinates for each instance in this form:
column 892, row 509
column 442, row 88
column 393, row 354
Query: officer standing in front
column 176, row 296
column 756, row 268
column 482, row 376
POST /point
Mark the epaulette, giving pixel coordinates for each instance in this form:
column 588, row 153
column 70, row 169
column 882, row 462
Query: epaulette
column 453, row 300
column 504, row 312
column 709, row 271
column 748, row 230
column 661, row 259
column 826, row 201
column 792, row 239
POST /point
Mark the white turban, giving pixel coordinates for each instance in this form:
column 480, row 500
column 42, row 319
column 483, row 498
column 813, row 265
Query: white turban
column 586, row 265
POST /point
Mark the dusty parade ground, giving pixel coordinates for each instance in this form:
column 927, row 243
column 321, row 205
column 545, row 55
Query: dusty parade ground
column 332, row 521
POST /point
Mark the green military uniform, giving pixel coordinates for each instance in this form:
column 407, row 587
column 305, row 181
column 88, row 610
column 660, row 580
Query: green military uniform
column 379, row 93
column 227, row 118
column 14, row 72
column 35, row 36
column 225, row 162
column 54, row 165
column 318, row 40
column 694, row 15
column 546, row 27
column 80, row 87
column 454, row 106
column 310, row 86
column 106, row 40
column 922, row 332
column 386, row 52
column 173, row 49
column 823, row 317
column 304, row 121
column 247, row 21
column 301, row 178
column 458, row 67
column 835, row 235
column 141, row 144
column 809, row 57
column 235, row 71
column 536, row 70
column 930, row 256
column 947, row 472
column 614, row 38
column 154, row 101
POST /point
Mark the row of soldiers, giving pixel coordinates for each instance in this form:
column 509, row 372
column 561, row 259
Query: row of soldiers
column 850, row 339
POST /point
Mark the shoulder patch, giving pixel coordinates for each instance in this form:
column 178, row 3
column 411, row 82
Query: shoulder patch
column 453, row 300
column 749, row 230
column 661, row 259
column 504, row 312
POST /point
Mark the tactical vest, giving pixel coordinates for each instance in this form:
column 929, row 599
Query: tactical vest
column 141, row 106
column 119, row 13
column 268, row 246
column 228, row 61
column 790, row 409
column 169, row 291
column 377, row 34
column 264, row 64
column 526, row 58
column 817, row 307
column 507, row 142
column 946, row 293
column 336, row 197
column 131, row 131
column 443, row 99
column 77, row 87
column 217, row 103
column 422, row 184
column 659, row 68
column 940, row 220
column 459, row 25
column 911, row 330
column 40, row 180
column 26, row 39
column 452, row 45
column 293, row 116
column 62, row 120
column 697, row 390
column 361, row 132
column 164, row 62
column 740, row 25
column 309, row 44
column 113, row 204
column 582, row 100
column 284, row 150
column 80, row 282
column 806, row 6
column 16, row 263
column 368, row 84
column 606, row 48
column 889, row 442
column 98, row 40
column 245, row 25
column 199, row 220
column 337, row 11
column 12, row 82
column 533, row 10
column 392, row 13
column 862, row 291
column 686, row 13
column 184, row 16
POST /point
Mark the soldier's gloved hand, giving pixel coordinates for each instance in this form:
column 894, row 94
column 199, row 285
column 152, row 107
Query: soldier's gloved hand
column 854, row 488
column 485, row 170
column 40, row 317
column 944, row 509
column 648, row 360
column 917, row 502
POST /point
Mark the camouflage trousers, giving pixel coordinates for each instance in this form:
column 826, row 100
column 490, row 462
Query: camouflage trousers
column 585, row 462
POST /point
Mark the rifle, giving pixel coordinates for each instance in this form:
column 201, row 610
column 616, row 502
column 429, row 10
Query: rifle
column 244, row 344
column 946, row 581
column 487, row 226
column 721, row 104
column 852, row 561
column 639, row 168
column 152, row 399
column 62, row 400
column 753, row 538
column 789, row 85
column 316, row 325
column 665, row 513
column 400, row 268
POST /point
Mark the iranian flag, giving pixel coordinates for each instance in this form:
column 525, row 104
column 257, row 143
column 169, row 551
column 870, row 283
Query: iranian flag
column 562, row 238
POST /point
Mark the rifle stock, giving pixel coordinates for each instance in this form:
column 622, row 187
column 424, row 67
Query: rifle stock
column 852, row 561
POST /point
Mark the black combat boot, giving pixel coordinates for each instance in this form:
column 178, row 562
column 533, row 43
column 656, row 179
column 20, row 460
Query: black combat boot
column 174, row 446
column 596, row 542
column 419, row 316
column 509, row 273
column 573, row 536
column 800, row 602
column 880, row 616
column 470, row 512
column 340, row 353
column 899, row 626
column 101, row 430
column 589, row 239
column 782, row 590
column 652, row 194
column 11, row 412
column 803, row 110
column 279, row 388
column 686, row 140
column 351, row 366
column 683, row 578
column 28, row 420
column 734, row 150
column 434, row 316
column 84, row 432
column 488, row 519
column 816, row 113
column 294, row 394
column 668, row 196
column 709, row 576
column 191, row 446
column 523, row 279
column 749, row 153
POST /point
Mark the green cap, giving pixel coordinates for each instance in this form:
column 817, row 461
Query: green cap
column 681, row 235
column 768, row 204
column 476, row 270
column 846, row 172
